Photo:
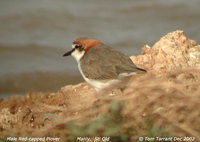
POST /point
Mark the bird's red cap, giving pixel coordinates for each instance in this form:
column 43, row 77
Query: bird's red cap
column 87, row 43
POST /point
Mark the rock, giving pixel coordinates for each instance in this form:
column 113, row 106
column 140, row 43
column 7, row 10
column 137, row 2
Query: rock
column 171, row 53
column 170, row 102
column 81, row 91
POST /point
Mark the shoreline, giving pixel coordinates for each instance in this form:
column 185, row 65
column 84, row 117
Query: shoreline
column 36, row 82
column 164, row 102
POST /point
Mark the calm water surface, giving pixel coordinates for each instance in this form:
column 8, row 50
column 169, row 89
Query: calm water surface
column 35, row 34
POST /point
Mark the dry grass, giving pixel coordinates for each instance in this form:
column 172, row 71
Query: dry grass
column 149, row 106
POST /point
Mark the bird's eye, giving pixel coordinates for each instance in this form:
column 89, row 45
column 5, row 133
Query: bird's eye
column 79, row 47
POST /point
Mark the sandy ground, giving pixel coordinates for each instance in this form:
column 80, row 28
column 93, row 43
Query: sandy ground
column 164, row 102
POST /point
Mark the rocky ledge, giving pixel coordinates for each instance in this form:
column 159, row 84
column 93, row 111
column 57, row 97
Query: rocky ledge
column 164, row 102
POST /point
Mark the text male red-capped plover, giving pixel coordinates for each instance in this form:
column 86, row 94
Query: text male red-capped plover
column 101, row 65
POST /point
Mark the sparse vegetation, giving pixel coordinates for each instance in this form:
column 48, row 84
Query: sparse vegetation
column 149, row 106
column 164, row 102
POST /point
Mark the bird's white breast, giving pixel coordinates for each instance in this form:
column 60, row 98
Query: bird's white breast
column 98, row 84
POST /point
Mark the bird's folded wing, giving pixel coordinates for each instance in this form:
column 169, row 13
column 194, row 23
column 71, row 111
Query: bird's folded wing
column 104, row 63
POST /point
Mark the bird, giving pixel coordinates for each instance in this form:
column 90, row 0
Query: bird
column 99, row 64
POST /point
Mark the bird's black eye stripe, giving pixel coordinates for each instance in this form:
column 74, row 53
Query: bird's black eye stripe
column 79, row 47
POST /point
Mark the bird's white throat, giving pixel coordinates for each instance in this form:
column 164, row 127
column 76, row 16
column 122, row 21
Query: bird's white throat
column 77, row 54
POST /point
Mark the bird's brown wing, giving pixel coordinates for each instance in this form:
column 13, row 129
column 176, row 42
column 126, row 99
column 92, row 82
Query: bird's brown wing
column 102, row 63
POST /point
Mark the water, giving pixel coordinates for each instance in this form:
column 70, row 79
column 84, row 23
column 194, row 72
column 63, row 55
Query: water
column 35, row 34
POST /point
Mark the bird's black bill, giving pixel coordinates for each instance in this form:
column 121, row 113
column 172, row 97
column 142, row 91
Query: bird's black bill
column 69, row 53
